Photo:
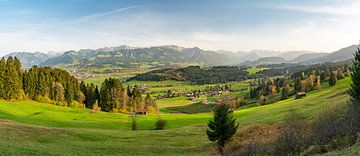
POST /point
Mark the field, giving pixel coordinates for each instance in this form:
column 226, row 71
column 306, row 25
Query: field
column 37, row 129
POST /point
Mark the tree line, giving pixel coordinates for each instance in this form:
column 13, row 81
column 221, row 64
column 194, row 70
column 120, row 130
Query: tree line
column 57, row 86
column 270, row 90
column 196, row 74
column 113, row 97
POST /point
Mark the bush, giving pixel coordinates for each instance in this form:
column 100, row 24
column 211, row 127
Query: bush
column 160, row 124
column 251, row 149
column 75, row 104
column 331, row 123
column 43, row 99
column 294, row 136
column 133, row 118
column 59, row 103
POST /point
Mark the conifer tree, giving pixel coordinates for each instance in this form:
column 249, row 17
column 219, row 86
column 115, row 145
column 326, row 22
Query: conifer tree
column 57, row 92
column 354, row 90
column 12, row 82
column 285, row 92
column 97, row 93
column 2, row 77
column 222, row 127
column 333, row 78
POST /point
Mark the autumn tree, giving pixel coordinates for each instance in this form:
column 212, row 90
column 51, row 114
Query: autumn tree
column 57, row 92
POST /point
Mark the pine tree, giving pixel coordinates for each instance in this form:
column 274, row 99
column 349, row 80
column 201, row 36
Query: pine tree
column 2, row 77
column 111, row 95
column 302, row 75
column 69, row 94
column 333, row 78
column 12, row 81
column 57, row 92
column 354, row 90
column 340, row 74
column 41, row 85
column 285, row 92
column 323, row 76
column 222, row 127
column 97, row 93
column 136, row 98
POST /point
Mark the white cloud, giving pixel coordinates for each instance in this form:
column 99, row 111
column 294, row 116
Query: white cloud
column 350, row 8
column 98, row 15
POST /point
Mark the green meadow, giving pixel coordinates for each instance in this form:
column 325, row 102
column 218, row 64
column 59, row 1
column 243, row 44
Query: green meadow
column 34, row 128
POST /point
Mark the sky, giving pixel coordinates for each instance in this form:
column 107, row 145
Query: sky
column 234, row 25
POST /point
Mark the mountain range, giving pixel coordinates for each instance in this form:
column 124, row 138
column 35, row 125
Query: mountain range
column 126, row 56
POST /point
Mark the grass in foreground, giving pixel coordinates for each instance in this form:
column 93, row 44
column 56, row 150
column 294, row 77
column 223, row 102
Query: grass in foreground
column 68, row 131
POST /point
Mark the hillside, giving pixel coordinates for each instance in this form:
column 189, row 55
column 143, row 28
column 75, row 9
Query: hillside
column 306, row 58
column 165, row 56
column 29, row 59
column 69, row 131
column 134, row 57
column 195, row 74
column 265, row 61
column 343, row 54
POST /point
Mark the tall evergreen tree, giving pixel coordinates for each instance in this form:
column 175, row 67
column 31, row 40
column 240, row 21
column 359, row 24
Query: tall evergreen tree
column 2, row 77
column 12, row 82
column 354, row 90
column 333, row 78
column 285, row 92
column 111, row 95
column 222, row 127
column 57, row 92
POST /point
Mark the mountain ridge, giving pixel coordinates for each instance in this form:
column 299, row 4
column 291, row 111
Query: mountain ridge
column 127, row 56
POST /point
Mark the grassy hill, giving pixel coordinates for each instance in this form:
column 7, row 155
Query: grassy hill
column 36, row 128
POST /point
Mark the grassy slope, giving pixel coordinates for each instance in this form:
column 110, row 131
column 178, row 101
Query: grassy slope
column 76, row 131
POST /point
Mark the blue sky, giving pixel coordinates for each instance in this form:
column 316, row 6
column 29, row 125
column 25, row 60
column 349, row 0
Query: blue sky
column 59, row 25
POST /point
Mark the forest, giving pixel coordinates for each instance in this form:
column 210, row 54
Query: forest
column 196, row 74
column 57, row 86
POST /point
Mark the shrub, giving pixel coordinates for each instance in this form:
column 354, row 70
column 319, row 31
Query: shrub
column 59, row 103
column 160, row 124
column 133, row 118
column 330, row 124
column 294, row 136
column 95, row 107
column 43, row 99
column 75, row 104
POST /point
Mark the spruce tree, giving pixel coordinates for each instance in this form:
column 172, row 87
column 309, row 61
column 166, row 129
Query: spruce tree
column 222, row 127
column 285, row 92
column 333, row 78
column 2, row 77
column 354, row 90
column 12, row 82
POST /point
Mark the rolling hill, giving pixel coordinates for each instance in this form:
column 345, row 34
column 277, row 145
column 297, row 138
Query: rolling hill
column 163, row 56
column 343, row 54
column 306, row 58
column 29, row 59
column 136, row 56
column 70, row 131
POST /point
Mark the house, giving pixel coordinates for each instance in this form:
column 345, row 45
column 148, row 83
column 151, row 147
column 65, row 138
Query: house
column 141, row 111
column 299, row 95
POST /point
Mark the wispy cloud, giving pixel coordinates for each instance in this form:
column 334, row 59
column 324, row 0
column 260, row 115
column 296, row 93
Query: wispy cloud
column 98, row 15
column 350, row 8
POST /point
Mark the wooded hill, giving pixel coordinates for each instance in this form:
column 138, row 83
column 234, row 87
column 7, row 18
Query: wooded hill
column 164, row 56
column 56, row 86
column 196, row 74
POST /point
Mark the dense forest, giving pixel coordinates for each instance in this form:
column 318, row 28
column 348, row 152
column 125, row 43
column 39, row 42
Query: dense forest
column 56, row 86
column 196, row 74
